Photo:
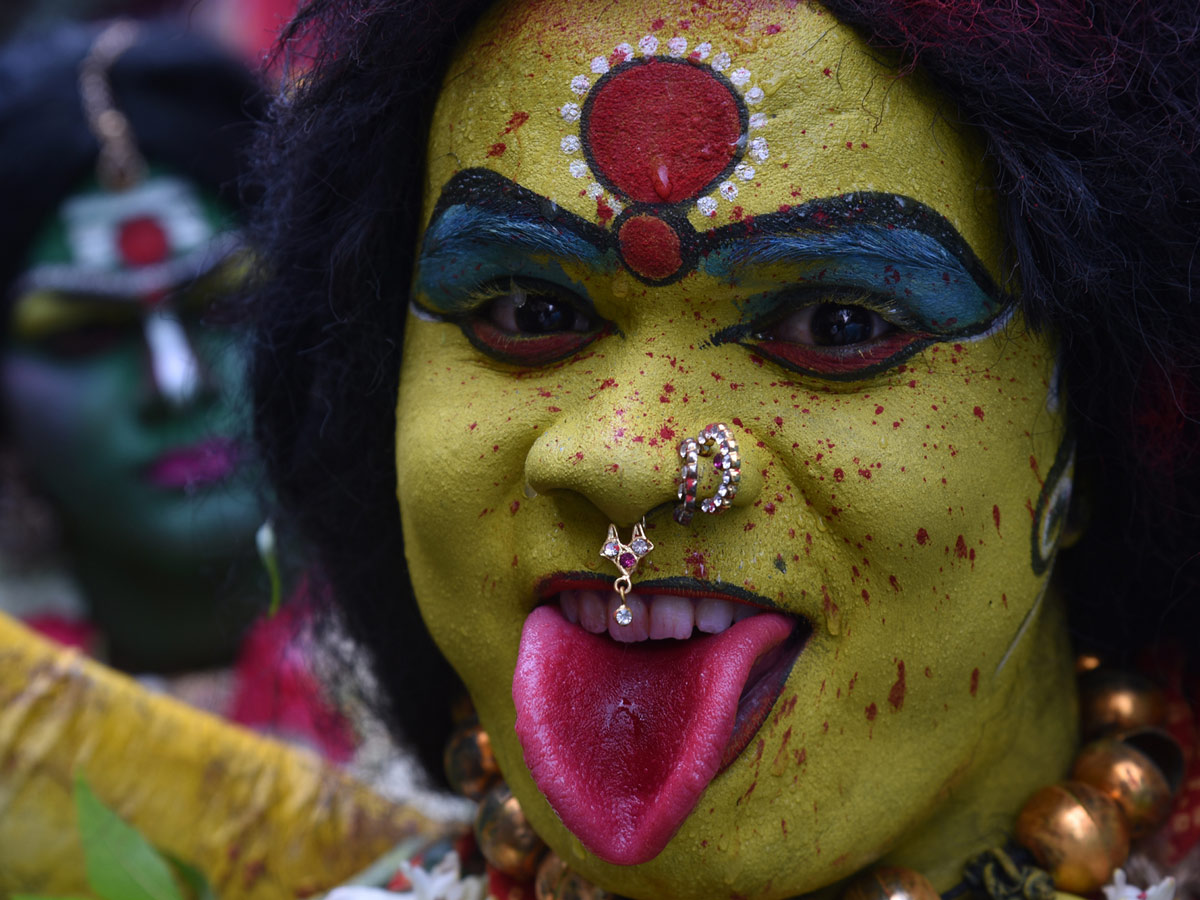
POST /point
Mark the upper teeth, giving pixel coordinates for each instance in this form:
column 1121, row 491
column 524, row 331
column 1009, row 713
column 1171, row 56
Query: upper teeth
column 655, row 616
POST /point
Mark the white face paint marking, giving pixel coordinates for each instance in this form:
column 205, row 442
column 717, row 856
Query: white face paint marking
column 173, row 364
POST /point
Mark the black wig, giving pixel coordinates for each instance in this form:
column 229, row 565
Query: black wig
column 191, row 105
column 1091, row 111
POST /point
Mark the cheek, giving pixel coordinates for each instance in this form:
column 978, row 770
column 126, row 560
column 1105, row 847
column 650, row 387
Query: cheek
column 46, row 405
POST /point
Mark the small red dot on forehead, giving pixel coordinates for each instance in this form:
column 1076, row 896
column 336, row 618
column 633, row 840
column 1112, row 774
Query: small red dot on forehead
column 142, row 241
column 650, row 247
column 661, row 132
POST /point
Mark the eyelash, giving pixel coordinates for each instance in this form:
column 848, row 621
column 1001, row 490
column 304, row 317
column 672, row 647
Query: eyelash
column 496, row 330
column 888, row 342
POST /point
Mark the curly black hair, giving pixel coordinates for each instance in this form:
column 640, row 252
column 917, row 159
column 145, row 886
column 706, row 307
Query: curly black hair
column 1091, row 113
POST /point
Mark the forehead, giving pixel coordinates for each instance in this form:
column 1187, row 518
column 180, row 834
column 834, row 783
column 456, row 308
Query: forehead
column 713, row 112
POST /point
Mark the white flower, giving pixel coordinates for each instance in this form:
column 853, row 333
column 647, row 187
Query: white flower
column 578, row 168
column 569, row 144
column 707, row 206
column 570, row 112
column 758, row 120
column 758, row 149
column 744, row 171
column 599, row 65
column 1120, row 889
column 702, row 50
column 648, row 45
column 740, row 76
column 624, row 51
column 594, row 190
column 722, row 61
column 580, row 84
column 615, row 205
column 728, row 190
column 677, row 46
column 754, row 95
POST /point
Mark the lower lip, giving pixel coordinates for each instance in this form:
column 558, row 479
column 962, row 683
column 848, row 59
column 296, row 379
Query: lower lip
column 207, row 462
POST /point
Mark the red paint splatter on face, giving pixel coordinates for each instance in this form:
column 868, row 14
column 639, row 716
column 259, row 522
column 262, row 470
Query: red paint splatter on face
column 657, row 24
column 666, row 433
column 922, row 536
column 698, row 563
column 142, row 241
column 865, row 473
column 661, row 132
column 497, row 149
column 773, row 29
column 960, row 548
column 769, row 509
column 872, row 712
column 996, row 517
column 979, row 413
column 838, row 474
column 894, row 583
column 827, row 72
column 604, row 212
column 896, row 694
column 974, row 681
column 516, row 121
column 514, row 506
column 650, row 247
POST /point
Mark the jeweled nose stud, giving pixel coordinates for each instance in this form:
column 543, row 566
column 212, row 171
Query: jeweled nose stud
column 626, row 558
column 717, row 441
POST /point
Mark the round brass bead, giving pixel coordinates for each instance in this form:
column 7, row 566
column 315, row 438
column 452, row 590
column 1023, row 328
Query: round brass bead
column 890, row 883
column 1130, row 777
column 1077, row 833
column 556, row 881
column 1112, row 702
column 505, row 837
column 469, row 762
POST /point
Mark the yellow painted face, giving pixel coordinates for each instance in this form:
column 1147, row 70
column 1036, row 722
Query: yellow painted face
column 658, row 216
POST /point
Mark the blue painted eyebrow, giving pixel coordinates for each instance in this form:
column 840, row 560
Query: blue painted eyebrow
column 466, row 246
column 462, row 229
column 923, row 279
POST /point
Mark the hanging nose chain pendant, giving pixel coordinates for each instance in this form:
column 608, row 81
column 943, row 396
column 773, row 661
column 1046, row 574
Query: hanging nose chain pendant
column 626, row 558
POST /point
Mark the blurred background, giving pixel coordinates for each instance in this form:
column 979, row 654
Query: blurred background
column 247, row 26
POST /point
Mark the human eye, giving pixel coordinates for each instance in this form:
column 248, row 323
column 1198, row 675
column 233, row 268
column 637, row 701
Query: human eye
column 528, row 321
column 839, row 334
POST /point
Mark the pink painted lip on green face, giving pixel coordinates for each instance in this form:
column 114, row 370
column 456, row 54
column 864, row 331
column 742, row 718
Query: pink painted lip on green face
column 206, row 462
column 622, row 733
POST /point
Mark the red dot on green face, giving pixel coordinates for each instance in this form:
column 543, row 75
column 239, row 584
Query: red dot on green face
column 662, row 132
column 142, row 241
column 650, row 247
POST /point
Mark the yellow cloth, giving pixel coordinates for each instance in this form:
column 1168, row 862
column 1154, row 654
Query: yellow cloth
column 261, row 819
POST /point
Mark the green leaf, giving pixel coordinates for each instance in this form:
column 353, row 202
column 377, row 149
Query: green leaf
column 120, row 864
column 194, row 882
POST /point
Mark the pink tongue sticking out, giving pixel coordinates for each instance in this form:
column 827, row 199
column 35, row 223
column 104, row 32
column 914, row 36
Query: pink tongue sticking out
column 623, row 738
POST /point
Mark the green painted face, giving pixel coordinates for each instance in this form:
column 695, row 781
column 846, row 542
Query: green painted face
column 636, row 226
column 120, row 386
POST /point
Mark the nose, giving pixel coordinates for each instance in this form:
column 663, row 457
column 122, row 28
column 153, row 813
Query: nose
column 177, row 378
column 624, row 460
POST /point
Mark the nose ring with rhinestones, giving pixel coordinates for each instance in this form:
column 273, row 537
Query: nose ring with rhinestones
column 717, row 441
column 626, row 558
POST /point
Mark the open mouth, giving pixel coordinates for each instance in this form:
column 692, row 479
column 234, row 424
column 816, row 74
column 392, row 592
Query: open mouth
column 623, row 727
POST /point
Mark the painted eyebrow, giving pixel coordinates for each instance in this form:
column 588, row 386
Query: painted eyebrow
column 892, row 245
column 461, row 229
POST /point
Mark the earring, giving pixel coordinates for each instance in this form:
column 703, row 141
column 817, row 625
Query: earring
column 626, row 558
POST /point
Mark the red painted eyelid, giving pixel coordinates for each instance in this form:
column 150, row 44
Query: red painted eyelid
column 838, row 361
column 539, row 350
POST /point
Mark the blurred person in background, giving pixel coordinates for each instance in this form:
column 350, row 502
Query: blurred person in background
column 130, row 504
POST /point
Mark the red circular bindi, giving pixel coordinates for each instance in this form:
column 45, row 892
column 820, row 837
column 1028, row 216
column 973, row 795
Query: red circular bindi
column 650, row 247
column 142, row 241
column 661, row 132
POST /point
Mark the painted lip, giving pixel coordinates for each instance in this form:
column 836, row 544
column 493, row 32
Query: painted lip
column 196, row 465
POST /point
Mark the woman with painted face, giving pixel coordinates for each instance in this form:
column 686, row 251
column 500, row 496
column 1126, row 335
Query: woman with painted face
column 905, row 290
column 121, row 386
